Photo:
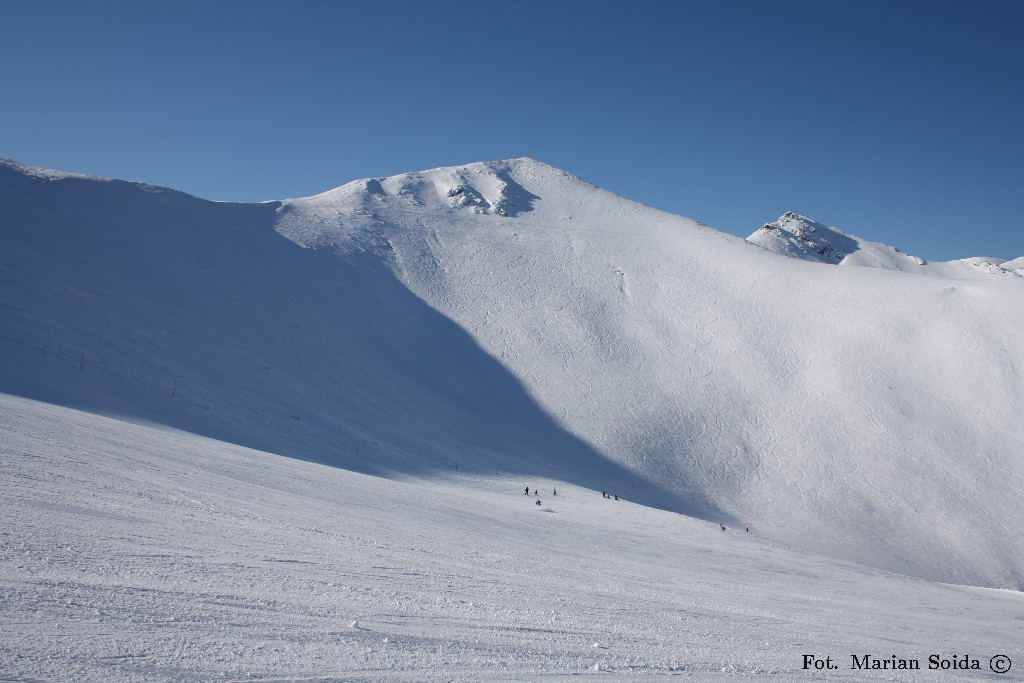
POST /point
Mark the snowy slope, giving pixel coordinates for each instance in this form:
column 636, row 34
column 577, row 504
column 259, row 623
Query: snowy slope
column 801, row 237
column 138, row 554
column 150, row 304
column 509, row 317
column 811, row 402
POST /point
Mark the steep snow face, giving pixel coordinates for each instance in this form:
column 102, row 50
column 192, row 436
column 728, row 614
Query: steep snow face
column 800, row 237
column 509, row 317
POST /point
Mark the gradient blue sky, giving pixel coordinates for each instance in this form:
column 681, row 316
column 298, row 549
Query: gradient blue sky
column 898, row 121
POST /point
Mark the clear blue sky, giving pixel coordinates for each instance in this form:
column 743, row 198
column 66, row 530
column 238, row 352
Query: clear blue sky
column 898, row 121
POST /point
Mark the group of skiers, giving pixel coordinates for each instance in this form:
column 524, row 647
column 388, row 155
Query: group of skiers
column 604, row 494
column 554, row 492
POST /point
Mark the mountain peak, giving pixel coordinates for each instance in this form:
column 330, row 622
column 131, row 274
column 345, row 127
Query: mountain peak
column 800, row 237
column 488, row 188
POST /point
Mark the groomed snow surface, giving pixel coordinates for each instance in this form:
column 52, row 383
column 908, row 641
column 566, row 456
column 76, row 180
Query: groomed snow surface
column 132, row 553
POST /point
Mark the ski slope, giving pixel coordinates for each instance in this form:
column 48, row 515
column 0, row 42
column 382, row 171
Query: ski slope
column 135, row 553
column 510, row 319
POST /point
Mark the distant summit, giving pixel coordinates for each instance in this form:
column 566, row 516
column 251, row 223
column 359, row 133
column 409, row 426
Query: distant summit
column 803, row 238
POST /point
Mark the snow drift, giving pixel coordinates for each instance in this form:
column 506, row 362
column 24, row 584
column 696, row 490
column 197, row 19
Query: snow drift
column 511, row 317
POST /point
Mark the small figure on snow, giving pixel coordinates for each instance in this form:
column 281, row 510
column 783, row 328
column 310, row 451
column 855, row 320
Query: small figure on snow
column 535, row 492
column 603, row 494
column 616, row 497
column 554, row 490
column 538, row 502
column 527, row 492
column 723, row 526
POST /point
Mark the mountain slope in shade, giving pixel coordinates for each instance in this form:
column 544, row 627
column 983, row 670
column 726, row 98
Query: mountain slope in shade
column 803, row 238
column 510, row 317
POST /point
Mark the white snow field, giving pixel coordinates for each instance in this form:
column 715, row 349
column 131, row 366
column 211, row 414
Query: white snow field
column 132, row 553
column 459, row 333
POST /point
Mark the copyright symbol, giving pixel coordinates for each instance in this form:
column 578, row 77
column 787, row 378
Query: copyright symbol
column 1000, row 664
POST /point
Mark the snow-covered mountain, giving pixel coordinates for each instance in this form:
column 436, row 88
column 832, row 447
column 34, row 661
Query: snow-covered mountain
column 509, row 317
column 801, row 237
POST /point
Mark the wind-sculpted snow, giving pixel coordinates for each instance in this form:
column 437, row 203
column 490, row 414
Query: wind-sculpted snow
column 509, row 317
column 138, row 554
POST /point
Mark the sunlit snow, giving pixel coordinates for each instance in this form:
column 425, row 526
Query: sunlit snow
column 289, row 440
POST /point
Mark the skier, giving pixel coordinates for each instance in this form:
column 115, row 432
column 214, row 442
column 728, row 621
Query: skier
column 527, row 492
column 534, row 491
column 538, row 502
column 616, row 497
column 554, row 491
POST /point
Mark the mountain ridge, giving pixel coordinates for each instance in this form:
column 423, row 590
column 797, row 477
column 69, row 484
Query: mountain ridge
column 404, row 326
